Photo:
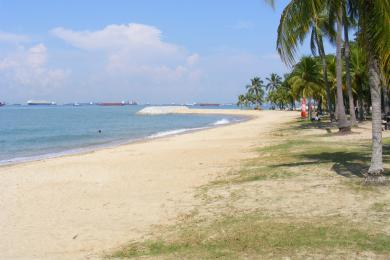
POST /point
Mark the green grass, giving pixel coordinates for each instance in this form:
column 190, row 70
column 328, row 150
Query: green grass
column 250, row 235
column 254, row 234
column 292, row 158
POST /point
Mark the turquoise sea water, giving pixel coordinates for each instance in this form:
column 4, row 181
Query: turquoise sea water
column 28, row 132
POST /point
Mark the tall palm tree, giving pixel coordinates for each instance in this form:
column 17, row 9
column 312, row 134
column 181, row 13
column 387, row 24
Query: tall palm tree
column 374, row 34
column 298, row 18
column 342, row 122
column 320, row 26
column 346, row 23
column 274, row 81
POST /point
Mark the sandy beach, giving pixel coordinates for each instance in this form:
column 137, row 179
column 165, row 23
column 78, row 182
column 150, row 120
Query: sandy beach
column 81, row 206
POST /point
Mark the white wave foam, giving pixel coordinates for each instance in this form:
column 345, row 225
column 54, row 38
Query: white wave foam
column 175, row 132
column 171, row 132
column 223, row 121
column 161, row 110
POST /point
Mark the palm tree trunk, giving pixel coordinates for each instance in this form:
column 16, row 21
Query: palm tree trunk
column 321, row 51
column 375, row 172
column 361, row 108
column 343, row 124
column 348, row 73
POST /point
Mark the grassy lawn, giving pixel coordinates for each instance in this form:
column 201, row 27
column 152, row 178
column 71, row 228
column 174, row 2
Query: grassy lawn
column 285, row 203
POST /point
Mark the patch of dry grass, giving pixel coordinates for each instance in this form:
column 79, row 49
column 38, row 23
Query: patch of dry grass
column 231, row 233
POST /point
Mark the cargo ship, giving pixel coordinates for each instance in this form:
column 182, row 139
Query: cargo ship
column 40, row 103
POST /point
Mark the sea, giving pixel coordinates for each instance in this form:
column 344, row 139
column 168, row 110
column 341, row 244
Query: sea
column 36, row 132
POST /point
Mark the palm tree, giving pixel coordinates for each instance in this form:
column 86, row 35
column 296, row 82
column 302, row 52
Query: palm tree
column 346, row 22
column 359, row 76
column 342, row 123
column 274, row 81
column 256, row 92
column 298, row 18
column 286, row 84
column 306, row 79
column 374, row 34
column 241, row 100
column 320, row 26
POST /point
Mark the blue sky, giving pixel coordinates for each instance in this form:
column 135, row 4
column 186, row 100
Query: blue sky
column 150, row 51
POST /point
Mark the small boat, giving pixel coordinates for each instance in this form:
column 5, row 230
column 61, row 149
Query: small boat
column 40, row 103
column 2, row 104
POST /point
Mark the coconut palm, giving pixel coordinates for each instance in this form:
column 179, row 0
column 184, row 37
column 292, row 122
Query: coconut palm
column 342, row 122
column 255, row 91
column 306, row 79
column 274, row 81
column 241, row 100
column 321, row 27
column 348, row 8
column 374, row 37
column 296, row 20
column 359, row 76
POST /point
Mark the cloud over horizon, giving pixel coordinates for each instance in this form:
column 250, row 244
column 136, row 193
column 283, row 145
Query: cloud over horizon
column 25, row 71
column 127, row 61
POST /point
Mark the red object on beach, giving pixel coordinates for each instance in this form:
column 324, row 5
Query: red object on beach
column 303, row 108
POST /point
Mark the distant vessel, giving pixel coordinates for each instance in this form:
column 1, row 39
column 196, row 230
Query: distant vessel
column 132, row 103
column 40, row 103
column 110, row 104
column 208, row 104
column 123, row 103
column 2, row 104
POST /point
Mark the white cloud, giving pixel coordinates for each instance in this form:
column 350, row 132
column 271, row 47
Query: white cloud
column 28, row 68
column 131, row 36
column 193, row 59
column 13, row 38
column 133, row 50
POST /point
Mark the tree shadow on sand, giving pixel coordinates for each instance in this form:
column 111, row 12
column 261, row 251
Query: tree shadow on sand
column 305, row 124
column 347, row 164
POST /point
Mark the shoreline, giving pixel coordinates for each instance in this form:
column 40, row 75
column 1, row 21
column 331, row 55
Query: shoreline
column 85, row 205
column 113, row 144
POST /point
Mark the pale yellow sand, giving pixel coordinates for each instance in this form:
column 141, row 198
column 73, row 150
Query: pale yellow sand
column 82, row 205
